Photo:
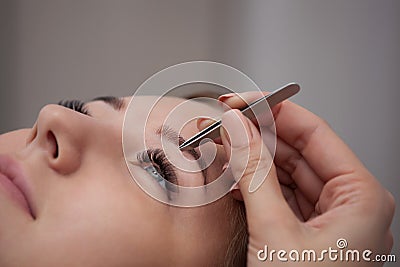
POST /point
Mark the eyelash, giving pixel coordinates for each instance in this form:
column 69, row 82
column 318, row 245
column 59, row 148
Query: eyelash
column 160, row 167
column 76, row 105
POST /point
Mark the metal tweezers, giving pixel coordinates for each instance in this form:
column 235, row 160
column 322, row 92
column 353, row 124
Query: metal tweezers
column 212, row 131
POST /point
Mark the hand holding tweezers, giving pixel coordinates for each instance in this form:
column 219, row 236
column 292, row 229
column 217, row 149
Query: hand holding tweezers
column 272, row 99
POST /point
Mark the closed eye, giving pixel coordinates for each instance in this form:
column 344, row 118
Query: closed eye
column 75, row 105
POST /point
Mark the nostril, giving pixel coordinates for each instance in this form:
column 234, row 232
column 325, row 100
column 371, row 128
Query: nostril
column 52, row 144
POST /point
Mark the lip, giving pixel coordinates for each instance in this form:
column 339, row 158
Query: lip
column 15, row 184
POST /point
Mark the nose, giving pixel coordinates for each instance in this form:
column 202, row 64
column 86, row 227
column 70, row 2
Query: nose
column 60, row 133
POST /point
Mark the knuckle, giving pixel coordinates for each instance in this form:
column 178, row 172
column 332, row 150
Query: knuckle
column 292, row 162
column 342, row 190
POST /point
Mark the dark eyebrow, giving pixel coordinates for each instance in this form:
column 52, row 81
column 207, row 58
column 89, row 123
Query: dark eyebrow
column 174, row 136
column 116, row 102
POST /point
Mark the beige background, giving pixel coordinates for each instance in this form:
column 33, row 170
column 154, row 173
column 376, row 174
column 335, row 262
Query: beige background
column 345, row 54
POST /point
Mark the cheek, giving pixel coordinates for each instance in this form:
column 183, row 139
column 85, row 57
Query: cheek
column 13, row 141
column 100, row 195
column 101, row 217
column 190, row 179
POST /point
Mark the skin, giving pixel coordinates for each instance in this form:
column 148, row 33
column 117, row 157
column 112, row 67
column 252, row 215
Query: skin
column 334, row 196
column 87, row 209
column 80, row 220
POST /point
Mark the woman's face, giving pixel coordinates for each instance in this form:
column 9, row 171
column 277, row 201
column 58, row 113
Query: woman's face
column 67, row 198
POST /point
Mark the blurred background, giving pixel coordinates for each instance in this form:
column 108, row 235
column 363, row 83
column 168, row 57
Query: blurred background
column 345, row 55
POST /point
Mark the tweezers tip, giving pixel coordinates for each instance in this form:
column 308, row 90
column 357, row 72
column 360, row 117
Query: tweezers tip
column 184, row 146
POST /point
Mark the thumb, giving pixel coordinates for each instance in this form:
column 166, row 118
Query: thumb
column 252, row 166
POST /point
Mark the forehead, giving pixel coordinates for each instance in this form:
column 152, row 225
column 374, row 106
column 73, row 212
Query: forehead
column 150, row 101
column 170, row 110
column 145, row 114
column 151, row 112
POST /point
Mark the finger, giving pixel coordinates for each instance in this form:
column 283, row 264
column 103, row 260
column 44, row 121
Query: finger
column 284, row 177
column 290, row 197
column 306, row 207
column 203, row 123
column 238, row 101
column 242, row 100
column 290, row 160
column 249, row 160
column 286, row 156
column 293, row 194
column 325, row 152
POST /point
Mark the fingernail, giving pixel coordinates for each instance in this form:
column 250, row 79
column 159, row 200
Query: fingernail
column 239, row 130
column 224, row 97
column 203, row 123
